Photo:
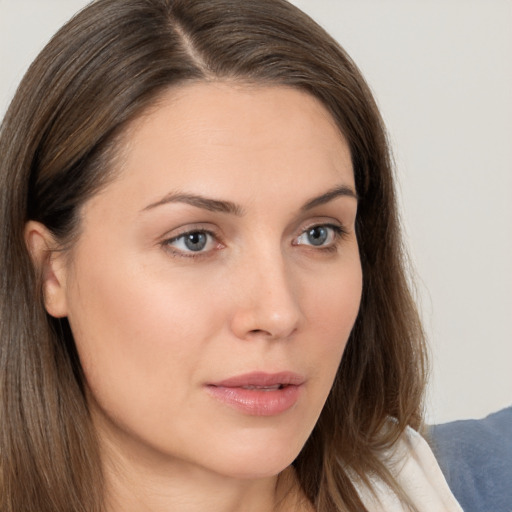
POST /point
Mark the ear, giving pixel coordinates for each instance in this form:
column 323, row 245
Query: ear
column 49, row 262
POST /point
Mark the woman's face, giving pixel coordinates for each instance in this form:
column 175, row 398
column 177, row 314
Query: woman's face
column 216, row 279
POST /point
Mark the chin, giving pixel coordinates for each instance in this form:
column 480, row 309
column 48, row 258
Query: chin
column 255, row 468
column 255, row 456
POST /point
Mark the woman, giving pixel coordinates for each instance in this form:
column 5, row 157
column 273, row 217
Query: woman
column 204, row 302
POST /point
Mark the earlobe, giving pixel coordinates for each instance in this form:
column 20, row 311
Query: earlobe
column 49, row 263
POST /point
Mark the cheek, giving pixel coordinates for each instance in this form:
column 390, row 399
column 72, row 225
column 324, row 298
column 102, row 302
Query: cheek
column 137, row 335
column 333, row 304
column 332, row 309
column 142, row 340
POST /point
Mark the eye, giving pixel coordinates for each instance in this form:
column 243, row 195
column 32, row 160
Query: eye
column 192, row 242
column 319, row 236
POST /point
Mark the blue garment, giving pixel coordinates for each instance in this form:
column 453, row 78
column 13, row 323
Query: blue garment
column 476, row 459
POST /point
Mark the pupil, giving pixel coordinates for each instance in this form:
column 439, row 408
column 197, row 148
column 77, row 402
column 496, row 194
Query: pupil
column 195, row 241
column 317, row 236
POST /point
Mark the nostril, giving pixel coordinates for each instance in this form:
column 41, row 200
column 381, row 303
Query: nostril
column 260, row 333
column 269, row 334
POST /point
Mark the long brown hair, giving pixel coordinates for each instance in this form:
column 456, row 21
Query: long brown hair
column 57, row 145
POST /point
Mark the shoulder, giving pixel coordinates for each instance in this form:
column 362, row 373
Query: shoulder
column 476, row 458
column 420, row 476
column 415, row 469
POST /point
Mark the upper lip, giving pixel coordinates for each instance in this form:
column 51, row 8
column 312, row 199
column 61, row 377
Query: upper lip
column 261, row 379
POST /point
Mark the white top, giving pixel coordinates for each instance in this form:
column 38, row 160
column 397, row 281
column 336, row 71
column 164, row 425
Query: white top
column 416, row 470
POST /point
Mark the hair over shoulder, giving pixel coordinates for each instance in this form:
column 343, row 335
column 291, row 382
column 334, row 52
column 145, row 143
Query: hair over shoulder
column 58, row 142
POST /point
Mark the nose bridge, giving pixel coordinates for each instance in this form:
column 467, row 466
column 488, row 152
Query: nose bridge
column 268, row 304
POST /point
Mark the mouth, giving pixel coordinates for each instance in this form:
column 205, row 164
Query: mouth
column 265, row 388
column 259, row 393
column 262, row 380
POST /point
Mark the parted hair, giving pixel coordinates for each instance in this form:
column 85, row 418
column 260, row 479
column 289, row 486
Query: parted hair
column 58, row 144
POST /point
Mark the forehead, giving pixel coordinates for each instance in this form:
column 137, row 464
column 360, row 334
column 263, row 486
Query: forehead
column 231, row 139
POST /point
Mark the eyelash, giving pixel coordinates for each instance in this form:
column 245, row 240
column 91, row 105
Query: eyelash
column 338, row 233
column 190, row 254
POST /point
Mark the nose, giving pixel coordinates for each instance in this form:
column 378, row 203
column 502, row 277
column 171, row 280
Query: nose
column 266, row 304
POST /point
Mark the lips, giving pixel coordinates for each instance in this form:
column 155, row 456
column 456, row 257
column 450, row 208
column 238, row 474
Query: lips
column 259, row 393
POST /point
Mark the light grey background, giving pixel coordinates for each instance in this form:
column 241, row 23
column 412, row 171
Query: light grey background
column 441, row 71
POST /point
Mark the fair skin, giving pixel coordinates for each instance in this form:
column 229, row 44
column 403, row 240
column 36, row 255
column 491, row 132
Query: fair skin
column 268, row 280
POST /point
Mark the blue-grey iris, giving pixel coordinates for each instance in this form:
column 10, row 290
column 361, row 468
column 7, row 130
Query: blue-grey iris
column 196, row 241
column 317, row 235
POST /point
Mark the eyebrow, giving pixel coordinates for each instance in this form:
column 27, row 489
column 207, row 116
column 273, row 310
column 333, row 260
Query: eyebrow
column 333, row 193
column 216, row 205
column 206, row 203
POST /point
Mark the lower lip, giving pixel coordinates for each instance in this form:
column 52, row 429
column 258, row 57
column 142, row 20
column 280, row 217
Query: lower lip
column 257, row 402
